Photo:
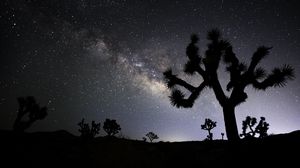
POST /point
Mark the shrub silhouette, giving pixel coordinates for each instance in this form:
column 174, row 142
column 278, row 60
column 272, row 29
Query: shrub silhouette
column 261, row 128
column 111, row 127
column 88, row 132
column 151, row 136
column 249, row 122
column 144, row 139
column 241, row 76
column 209, row 125
column 28, row 107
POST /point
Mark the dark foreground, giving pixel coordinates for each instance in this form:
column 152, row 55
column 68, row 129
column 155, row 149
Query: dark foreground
column 58, row 149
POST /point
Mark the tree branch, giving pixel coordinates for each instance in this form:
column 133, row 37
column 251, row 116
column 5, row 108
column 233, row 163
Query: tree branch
column 191, row 67
column 278, row 78
column 235, row 68
column 217, row 88
column 173, row 80
column 178, row 100
column 259, row 54
column 201, row 72
column 238, row 96
column 195, row 60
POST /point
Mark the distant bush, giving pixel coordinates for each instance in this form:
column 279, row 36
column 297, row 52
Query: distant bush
column 88, row 132
column 209, row 125
column 248, row 127
column 152, row 136
column 111, row 127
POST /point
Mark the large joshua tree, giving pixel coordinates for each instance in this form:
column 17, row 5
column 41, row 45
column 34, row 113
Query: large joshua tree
column 241, row 76
column 29, row 111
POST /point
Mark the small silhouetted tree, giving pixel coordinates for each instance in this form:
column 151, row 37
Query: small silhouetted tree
column 248, row 123
column 144, row 139
column 262, row 128
column 111, row 127
column 209, row 125
column 222, row 134
column 250, row 132
column 29, row 112
column 241, row 76
column 87, row 131
column 151, row 136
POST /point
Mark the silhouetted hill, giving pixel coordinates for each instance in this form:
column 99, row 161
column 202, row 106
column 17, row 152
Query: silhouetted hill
column 60, row 148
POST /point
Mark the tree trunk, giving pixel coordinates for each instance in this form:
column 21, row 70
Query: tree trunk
column 230, row 123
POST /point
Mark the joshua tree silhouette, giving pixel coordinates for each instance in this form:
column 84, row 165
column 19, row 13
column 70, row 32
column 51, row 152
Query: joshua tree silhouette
column 111, row 127
column 88, row 132
column 209, row 125
column 240, row 76
column 28, row 106
column 261, row 128
column 151, row 136
column 249, row 122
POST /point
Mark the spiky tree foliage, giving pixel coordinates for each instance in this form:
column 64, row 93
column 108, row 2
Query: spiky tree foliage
column 29, row 109
column 152, row 136
column 111, row 127
column 248, row 128
column 209, row 125
column 262, row 128
column 88, row 132
column 249, row 122
column 241, row 76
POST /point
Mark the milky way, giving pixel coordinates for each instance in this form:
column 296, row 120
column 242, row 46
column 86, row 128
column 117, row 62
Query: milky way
column 105, row 59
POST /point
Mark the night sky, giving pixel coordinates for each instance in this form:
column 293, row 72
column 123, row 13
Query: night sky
column 102, row 59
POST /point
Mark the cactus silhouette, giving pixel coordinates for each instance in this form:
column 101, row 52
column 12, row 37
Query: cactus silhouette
column 241, row 76
column 151, row 136
column 28, row 107
column 261, row 128
column 88, row 132
column 209, row 125
column 111, row 127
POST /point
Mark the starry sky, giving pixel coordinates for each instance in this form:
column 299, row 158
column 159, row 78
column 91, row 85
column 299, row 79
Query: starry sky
column 102, row 59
